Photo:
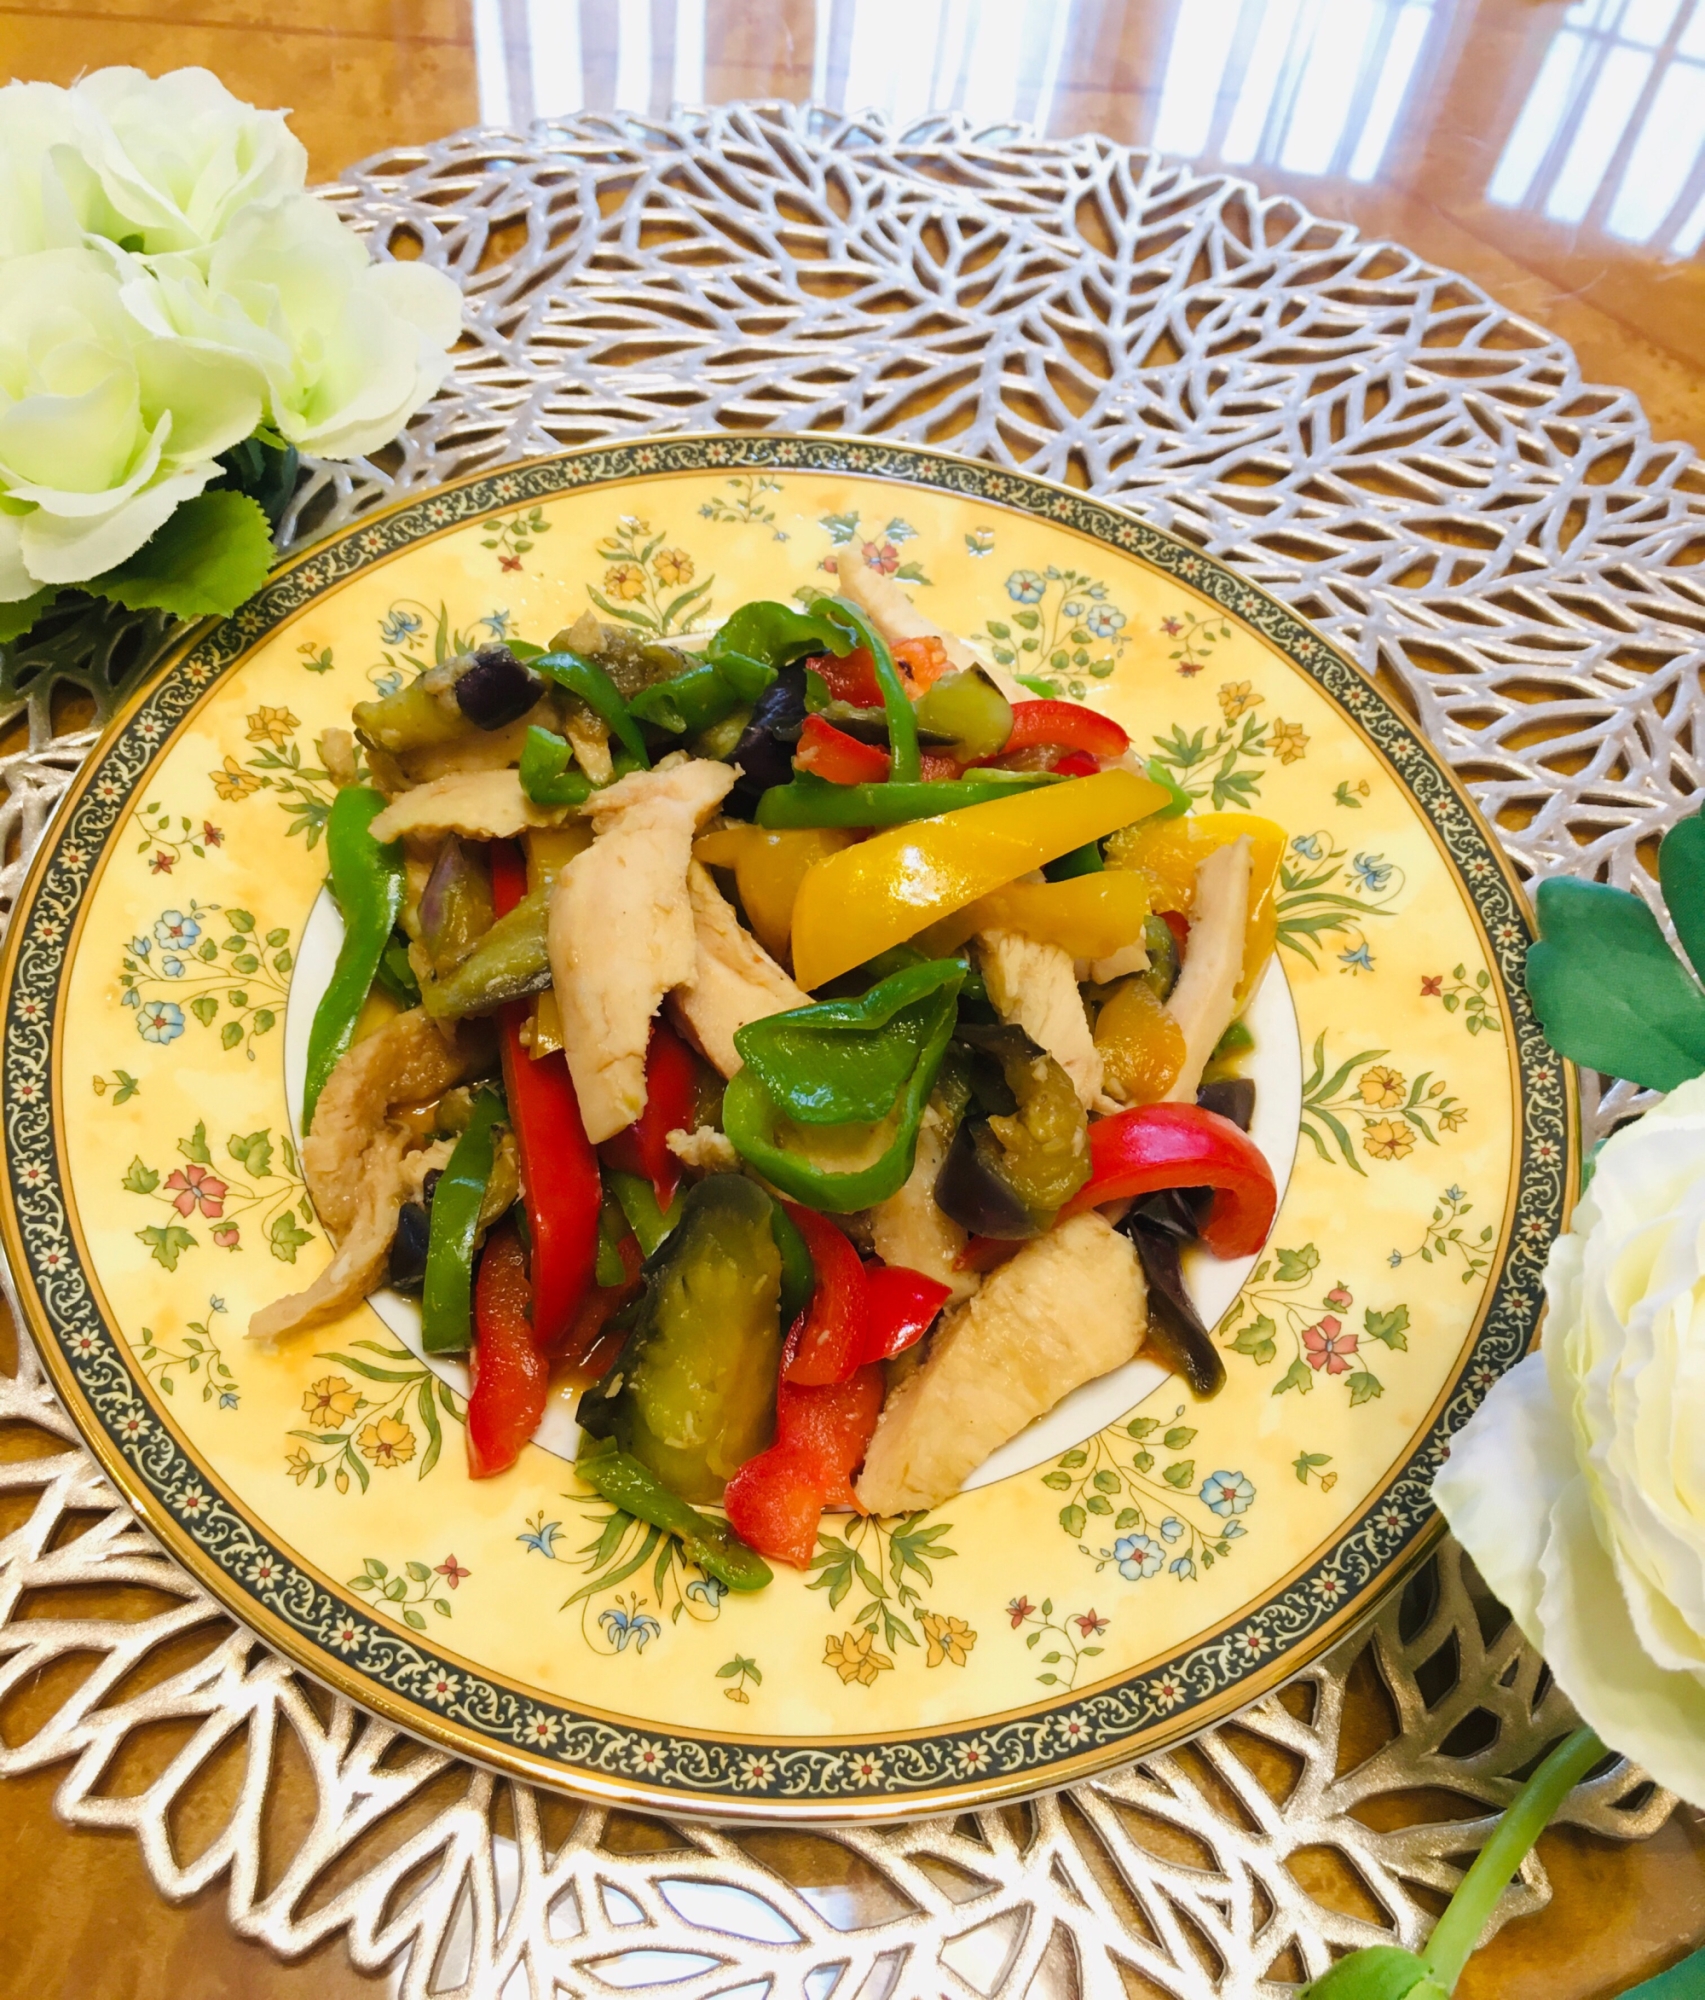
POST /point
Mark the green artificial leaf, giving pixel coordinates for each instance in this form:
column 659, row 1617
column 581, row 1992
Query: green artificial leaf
column 1072, row 1519
column 1363, row 1389
column 1139, row 1427
column 17, row 617
column 1681, row 874
column 140, row 1179
column 1387, row 1326
column 195, row 1146
column 1609, row 992
column 1181, row 1475
column 1177, row 1438
column 211, row 555
column 166, row 1243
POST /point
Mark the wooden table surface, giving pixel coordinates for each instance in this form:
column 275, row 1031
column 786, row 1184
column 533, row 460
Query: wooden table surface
column 1555, row 153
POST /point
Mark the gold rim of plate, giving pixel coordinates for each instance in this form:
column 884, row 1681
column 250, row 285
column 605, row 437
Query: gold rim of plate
column 1036, row 1742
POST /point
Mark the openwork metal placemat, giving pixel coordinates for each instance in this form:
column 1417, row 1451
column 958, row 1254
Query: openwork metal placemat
column 1422, row 474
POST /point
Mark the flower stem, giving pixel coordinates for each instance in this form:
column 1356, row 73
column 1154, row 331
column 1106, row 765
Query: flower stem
column 1458, row 1930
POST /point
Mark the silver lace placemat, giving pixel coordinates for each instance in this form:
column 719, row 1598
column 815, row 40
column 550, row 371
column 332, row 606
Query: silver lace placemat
column 1421, row 473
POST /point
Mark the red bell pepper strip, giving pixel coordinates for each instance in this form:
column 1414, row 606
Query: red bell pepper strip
column 775, row 1500
column 582, row 1355
column 1066, row 725
column 1179, row 925
column 831, row 753
column 671, row 1096
column 559, row 1170
column 825, row 1343
column 1158, row 1146
column 510, row 1373
column 902, row 1305
column 1076, row 764
column 851, row 678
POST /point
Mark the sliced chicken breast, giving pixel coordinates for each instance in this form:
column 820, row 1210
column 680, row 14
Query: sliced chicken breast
column 621, row 932
column 1204, row 1002
column 734, row 980
column 896, row 617
column 409, row 1061
column 363, row 1251
column 479, row 805
column 1035, row 985
column 1069, row 1307
column 909, row 1228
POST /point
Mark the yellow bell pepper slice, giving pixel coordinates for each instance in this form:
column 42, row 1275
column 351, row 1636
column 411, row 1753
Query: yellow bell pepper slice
column 1142, row 1046
column 885, row 890
column 1166, row 854
column 1090, row 916
column 769, row 863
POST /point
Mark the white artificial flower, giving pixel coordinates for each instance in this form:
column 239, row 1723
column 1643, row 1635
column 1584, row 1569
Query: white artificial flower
column 158, row 164
column 348, row 349
column 104, row 427
column 1579, row 1485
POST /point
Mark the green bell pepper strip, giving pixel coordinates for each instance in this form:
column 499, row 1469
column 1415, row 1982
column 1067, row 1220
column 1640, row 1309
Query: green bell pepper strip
column 754, row 643
column 446, row 1303
column 649, row 1223
column 1085, row 860
column 845, row 1062
column 713, row 1545
column 547, row 776
column 905, row 765
column 798, row 1268
column 740, row 661
column 609, row 1271
column 1178, row 801
column 588, row 680
column 367, row 880
column 750, row 1114
column 395, row 975
column 813, row 801
column 687, row 702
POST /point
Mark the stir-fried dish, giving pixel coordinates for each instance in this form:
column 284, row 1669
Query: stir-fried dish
column 815, row 1043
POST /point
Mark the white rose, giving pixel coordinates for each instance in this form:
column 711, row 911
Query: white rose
column 104, row 428
column 1579, row 1485
column 158, row 163
column 349, row 349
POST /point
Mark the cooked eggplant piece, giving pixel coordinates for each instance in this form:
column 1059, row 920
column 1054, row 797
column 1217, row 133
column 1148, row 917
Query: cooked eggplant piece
column 1231, row 1097
column 509, row 962
column 1011, row 1169
column 455, row 906
column 409, row 1246
column 494, row 689
column 692, row 1393
column 972, row 1191
column 764, row 754
column 1176, row 1331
